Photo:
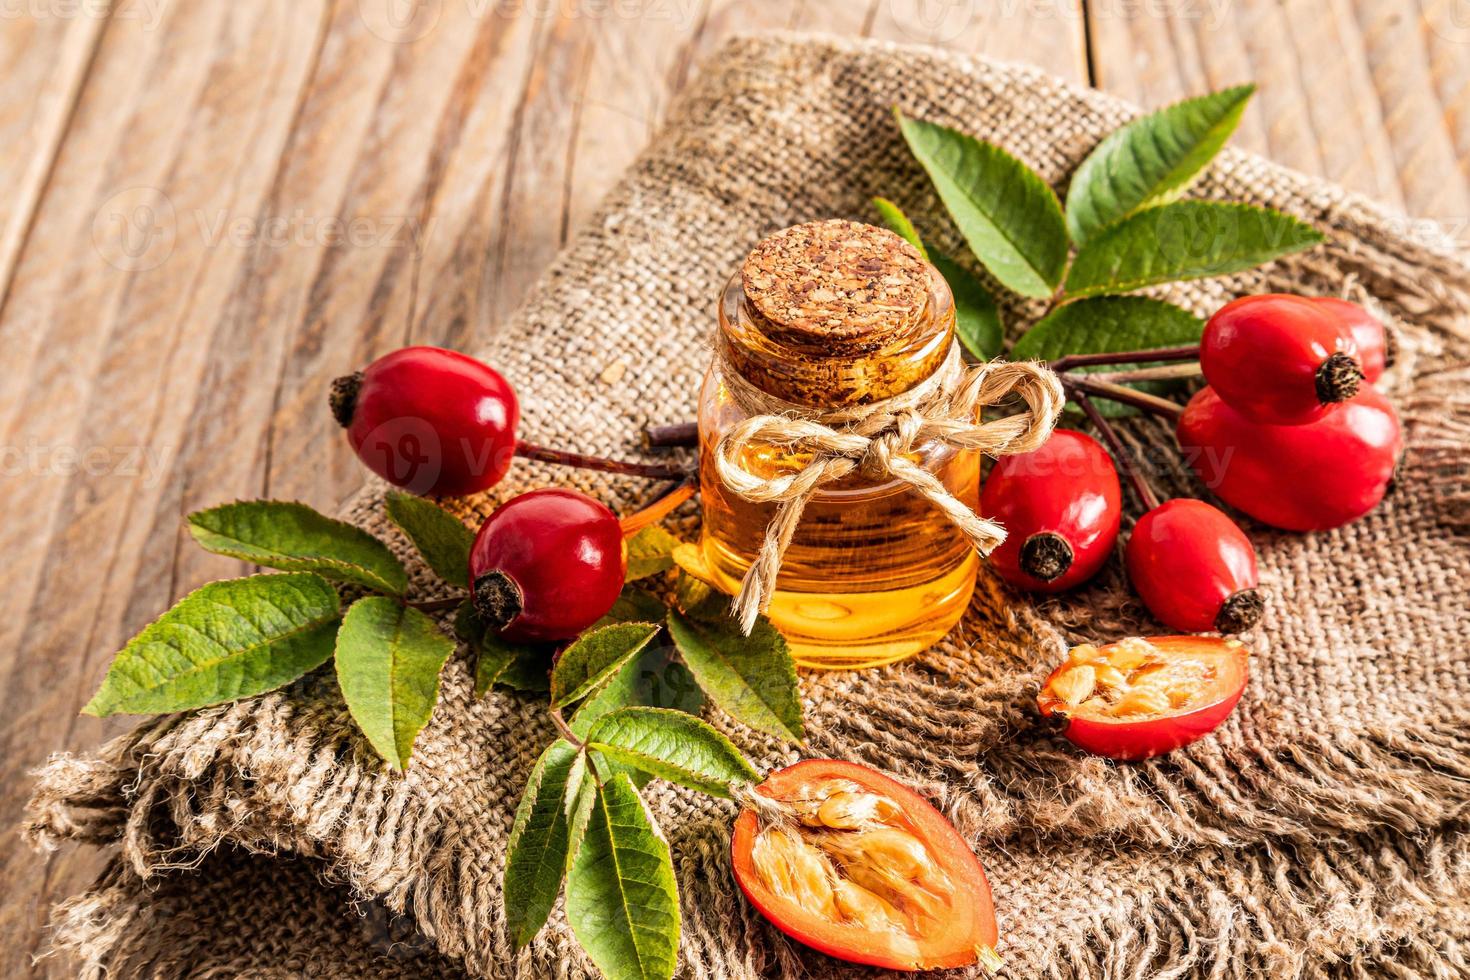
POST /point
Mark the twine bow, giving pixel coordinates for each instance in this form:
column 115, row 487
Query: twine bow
column 876, row 440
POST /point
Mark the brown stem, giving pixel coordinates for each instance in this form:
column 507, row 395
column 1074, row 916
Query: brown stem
column 677, row 436
column 1127, row 396
column 1159, row 372
column 652, row 471
column 564, row 728
column 1070, row 361
column 1110, row 436
column 656, row 510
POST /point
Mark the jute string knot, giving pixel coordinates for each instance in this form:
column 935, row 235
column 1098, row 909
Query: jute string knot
column 877, row 440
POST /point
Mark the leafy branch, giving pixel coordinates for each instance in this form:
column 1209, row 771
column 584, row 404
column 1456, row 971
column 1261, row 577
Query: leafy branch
column 341, row 596
column 1124, row 228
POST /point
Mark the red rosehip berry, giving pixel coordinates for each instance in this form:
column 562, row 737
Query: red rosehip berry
column 1279, row 359
column 1367, row 331
column 1194, row 569
column 1060, row 506
column 1297, row 477
column 547, row 565
column 429, row 420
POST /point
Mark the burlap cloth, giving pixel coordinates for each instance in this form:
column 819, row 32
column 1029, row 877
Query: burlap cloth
column 1318, row 834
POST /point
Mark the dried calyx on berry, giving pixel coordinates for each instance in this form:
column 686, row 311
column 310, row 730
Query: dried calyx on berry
column 429, row 420
column 1281, row 359
column 1194, row 568
column 1241, row 611
column 1046, row 555
column 497, row 599
column 343, row 397
column 1338, row 378
column 1060, row 505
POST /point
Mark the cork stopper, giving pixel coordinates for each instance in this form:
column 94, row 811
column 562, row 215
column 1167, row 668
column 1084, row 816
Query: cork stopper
column 837, row 285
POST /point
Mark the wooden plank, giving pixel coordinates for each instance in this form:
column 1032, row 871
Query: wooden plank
column 45, row 57
column 1363, row 92
column 113, row 308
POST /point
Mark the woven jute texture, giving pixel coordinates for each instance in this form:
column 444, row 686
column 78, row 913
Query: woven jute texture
column 1319, row 833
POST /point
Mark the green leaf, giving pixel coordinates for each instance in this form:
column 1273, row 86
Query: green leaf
column 388, row 662
column 594, row 657
column 295, row 538
column 622, row 897
column 1110, row 324
column 899, row 224
column 524, row 667
column 440, row 537
column 650, row 551
column 752, row 678
column 1185, row 240
column 536, row 856
column 634, row 605
column 976, row 318
column 652, row 679
column 1008, row 215
column 224, row 641
column 1151, row 160
column 672, row 745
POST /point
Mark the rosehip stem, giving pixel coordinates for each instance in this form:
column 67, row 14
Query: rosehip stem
column 678, row 436
column 1070, row 361
column 564, row 729
column 651, row 471
column 1120, row 452
column 1077, row 384
column 659, row 508
column 1159, row 372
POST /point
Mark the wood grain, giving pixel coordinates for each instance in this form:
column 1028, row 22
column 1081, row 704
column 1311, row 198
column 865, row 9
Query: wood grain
column 215, row 208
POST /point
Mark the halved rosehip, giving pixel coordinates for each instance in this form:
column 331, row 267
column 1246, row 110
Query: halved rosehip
column 863, row 869
column 1139, row 698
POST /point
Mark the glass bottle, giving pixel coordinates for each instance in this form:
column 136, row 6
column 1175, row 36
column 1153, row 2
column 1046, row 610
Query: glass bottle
column 825, row 316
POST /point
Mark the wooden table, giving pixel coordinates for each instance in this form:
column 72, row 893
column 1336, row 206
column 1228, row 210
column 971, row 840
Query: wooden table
column 212, row 208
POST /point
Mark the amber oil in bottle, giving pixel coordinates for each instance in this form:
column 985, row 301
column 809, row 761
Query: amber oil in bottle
column 825, row 316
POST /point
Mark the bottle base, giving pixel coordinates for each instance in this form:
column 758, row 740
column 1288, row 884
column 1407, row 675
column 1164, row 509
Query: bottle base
column 855, row 630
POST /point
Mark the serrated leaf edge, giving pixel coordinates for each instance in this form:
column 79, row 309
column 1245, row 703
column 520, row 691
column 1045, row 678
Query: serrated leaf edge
column 1050, row 278
column 390, row 500
column 632, row 757
column 1154, row 199
column 402, row 755
column 583, row 689
column 1129, row 285
column 88, row 708
column 789, row 668
column 376, row 581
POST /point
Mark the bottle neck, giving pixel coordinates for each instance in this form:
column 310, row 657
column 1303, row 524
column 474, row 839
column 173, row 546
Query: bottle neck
column 833, row 371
